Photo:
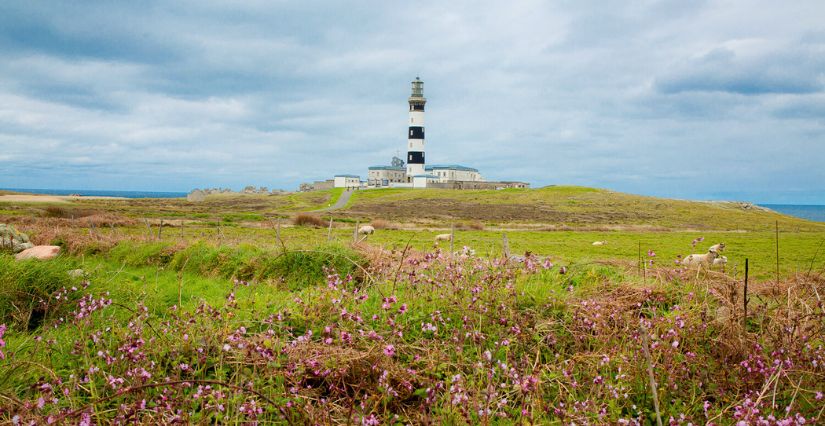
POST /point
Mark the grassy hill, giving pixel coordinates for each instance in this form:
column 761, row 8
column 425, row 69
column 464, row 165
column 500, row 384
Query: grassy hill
column 549, row 208
column 567, row 207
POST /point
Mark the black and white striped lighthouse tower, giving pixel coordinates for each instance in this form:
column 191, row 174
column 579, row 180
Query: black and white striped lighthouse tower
column 415, row 137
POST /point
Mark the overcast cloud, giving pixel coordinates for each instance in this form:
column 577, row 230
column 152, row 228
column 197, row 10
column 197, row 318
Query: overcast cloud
column 708, row 100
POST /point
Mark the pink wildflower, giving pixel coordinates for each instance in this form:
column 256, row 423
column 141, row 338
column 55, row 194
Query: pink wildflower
column 389, row 350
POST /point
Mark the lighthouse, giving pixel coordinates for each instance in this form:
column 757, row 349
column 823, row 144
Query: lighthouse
column 415, row 137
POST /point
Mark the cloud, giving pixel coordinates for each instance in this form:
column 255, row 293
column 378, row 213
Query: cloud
column 750, row 67
column 653, row 97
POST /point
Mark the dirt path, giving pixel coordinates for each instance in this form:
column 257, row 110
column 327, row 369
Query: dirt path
column 342, row 201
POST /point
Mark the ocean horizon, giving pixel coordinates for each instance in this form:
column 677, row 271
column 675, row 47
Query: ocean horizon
column 101, row 193
column 813, row 212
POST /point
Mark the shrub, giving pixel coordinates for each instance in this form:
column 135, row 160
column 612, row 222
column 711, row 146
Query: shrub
column 383, row 224
column 470, row 226
column 301, row 269
column 304, row 219
column 66, row 213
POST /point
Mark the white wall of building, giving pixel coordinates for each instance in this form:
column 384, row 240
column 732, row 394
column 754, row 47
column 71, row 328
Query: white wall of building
column 449, row 174
column 347, row 181
column 384, row 177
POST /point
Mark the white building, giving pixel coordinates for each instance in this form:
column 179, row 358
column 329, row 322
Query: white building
column 454, row 172
column 347, row 181
column 421, row 181
column 386, row 175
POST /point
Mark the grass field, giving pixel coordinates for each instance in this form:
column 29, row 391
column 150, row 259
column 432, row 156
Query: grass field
column 228, row 313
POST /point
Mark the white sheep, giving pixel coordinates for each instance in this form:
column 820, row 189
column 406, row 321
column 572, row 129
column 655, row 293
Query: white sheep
column 599, row 243
column 443, row 237
column 700, row 259
column 366, row 230
column 717, row 248
column 720, row 261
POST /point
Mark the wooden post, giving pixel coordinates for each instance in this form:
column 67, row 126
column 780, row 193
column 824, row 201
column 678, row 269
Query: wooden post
column 329, row 231
column 505, row 246
column 777, row 252
column 639, row 258
column 355, row 232
column 650, row 376
column 278, row 231
column 160, row 228
column 745, row 297
column 452, row 237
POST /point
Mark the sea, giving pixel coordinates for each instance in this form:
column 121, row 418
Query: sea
column 100, row 193
column 812, row 212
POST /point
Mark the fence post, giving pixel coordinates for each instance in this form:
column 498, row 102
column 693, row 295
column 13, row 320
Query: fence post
column 745, row 297
column 777, row 252
column 329, row 232
column 355, row 232
column 452, row 237
column 505, row 245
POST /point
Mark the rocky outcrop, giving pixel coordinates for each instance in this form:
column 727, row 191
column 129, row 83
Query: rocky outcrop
column 39, row 252
column 11, row 240
column 196, row 196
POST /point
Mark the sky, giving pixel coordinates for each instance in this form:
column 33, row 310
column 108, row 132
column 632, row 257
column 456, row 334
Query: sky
column 698, row 100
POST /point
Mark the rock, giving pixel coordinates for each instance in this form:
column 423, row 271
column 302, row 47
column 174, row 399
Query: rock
column 39, row 252
column 10, row 238
column 196, row 196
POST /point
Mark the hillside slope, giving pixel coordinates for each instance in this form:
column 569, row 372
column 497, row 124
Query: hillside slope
column 567, row 206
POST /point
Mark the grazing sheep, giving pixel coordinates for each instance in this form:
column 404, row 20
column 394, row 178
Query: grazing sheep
column 708, row 259
column 599, row 243
column 720, row 261
column 443, row 237
column 366, row 230
column 717, row 248
column 700, row 259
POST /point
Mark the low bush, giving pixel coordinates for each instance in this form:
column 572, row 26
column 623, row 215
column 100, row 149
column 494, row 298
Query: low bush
column 305, row 219
column 384, row 224
column 66, row 213
column 470, row 226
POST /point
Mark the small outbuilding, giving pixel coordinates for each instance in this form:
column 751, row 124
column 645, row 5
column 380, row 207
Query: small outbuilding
column 421, row 181
column 347, row 181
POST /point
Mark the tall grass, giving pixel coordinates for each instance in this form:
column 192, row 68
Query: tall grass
column 27, row 299
column 293, row 269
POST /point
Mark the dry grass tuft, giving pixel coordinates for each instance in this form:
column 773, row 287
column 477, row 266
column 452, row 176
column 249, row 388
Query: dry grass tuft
column 67, row 213
column 384, row 224
column 470, row 226
column 305, row 219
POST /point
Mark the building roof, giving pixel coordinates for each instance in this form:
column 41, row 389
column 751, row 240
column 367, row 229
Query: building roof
column 349, row 176
column 398, row 169
column 452, row 167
